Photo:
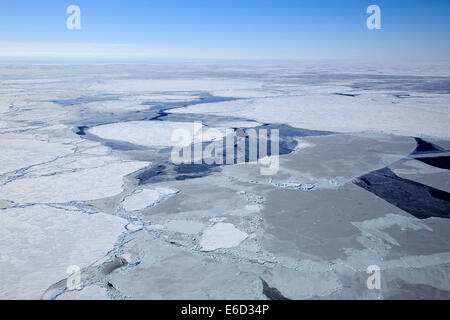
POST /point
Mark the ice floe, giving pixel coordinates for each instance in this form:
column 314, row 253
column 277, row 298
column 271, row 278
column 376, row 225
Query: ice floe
column 144, row 133
column 81, row 185
column 373, row 227
column 89, row 293
column 340, row 113
column 145, row 198
column 222, row 236
column 135, row 226
column 38, row 244
column 21, row 150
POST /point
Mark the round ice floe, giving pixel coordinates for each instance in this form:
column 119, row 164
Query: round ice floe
column 134, row 226
column 147, row 133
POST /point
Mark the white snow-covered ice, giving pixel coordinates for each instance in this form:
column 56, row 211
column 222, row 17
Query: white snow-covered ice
column 145, row 133
column 145, row 198
column 39, row 243
column 368, row 112
column 81, row 185
column 221, row 236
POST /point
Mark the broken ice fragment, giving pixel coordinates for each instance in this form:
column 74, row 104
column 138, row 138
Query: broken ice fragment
column 221, row 236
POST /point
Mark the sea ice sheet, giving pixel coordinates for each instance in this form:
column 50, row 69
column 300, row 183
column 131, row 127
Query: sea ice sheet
column 38, row 243
column 221, row 236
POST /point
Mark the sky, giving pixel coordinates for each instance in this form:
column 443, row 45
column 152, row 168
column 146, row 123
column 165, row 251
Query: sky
column 227, row 29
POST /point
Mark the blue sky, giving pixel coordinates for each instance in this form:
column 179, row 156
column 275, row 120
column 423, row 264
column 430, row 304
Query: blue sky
column 248, row 29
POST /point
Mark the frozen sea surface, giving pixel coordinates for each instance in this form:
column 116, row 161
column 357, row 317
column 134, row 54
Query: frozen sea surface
column 87, row 180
